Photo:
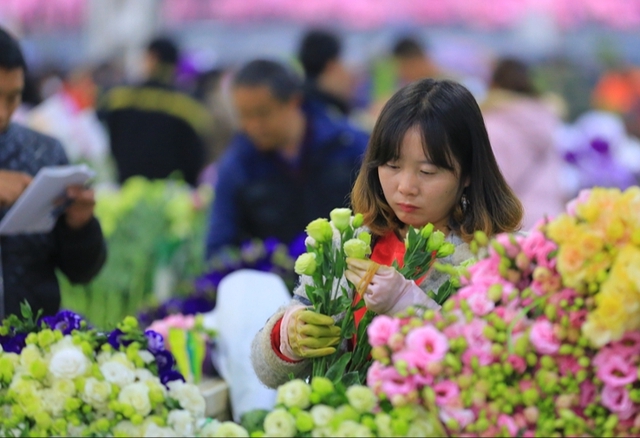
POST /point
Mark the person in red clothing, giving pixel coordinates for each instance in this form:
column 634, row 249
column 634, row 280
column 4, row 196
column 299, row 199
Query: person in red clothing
column 429, row 160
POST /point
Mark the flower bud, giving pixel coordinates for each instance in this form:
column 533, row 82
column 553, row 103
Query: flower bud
column 340, row 217
column 356, row 249
column 435, row 241
column 320, row 230
column 446, row 250
column 365, row 237
column 358, row 219
column 305, row 264
column 426, row 231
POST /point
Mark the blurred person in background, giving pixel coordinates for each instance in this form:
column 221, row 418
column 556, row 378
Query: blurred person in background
column 413, row 62
column 75, row 245
column 327, row 80
column 155, row 129
column 618, row 91
column 290, row 163
column 522, row 128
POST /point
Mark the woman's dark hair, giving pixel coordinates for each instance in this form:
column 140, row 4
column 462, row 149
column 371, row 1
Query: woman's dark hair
column 281, row 81
column 10, row 53
column 454, row 138
column 513, row 75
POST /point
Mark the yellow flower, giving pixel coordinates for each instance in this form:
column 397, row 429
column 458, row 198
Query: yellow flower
column 562, row 229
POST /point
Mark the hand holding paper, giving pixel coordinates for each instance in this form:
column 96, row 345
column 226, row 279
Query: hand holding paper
column 81, row 204
column 12, row 184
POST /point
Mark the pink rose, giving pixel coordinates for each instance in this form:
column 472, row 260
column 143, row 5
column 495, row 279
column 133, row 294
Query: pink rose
column 381, row 329
column 447, row 393
column 617, row 400
column 543, row 338
column 518, row 363
column 617, row 372
column 537, row 247
column 429, row 343
column 480, row 304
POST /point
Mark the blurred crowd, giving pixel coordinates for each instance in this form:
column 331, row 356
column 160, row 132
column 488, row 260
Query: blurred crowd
column 186, row 119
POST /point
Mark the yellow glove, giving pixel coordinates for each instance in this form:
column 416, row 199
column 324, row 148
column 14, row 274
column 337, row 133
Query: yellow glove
column 306, row 334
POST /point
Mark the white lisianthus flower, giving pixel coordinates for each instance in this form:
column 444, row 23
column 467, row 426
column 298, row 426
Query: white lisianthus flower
column 76, row 430
column 280, row 423
column 137, row 396
column 209, row 428
column 383, row 424
column 117, row 373
column 126, row 428
column 361, row 398
column 64, row 386
column 341, row 218
column 53, row 401
column 356, row 248
column 142, row 375
column 146, row 356
column 69, row 363
column 294, row 394
column 188, row 396
column 181, row 421
column 323, row 432
column 103, row 357
column 153, row 430
column 230, row 429
column 96, row 393
column 322, row 414
column 350, row 428
column 123, row 359
column 29, row 355
column 421, row 427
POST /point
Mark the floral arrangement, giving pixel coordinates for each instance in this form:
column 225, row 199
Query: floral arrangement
column 329, row 244
column 542, row 338
column 322, row 409
column 59, row 376
column 155, row 233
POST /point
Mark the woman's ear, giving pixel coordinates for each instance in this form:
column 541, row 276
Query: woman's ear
column 467, row 181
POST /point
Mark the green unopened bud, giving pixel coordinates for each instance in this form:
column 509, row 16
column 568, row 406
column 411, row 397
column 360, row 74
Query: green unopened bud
column 551, row 312
column 498, row 247
column 436, row 240
column 446, row 250
column 481, row 238
column 356, row 249
column 489, row 332
column 495, row 292
column 426, row 231
column 522, row 345
column 473, row 247
column 358, row 220
column 365, row 237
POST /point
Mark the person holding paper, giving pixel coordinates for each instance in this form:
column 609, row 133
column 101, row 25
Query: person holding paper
column 76, row 245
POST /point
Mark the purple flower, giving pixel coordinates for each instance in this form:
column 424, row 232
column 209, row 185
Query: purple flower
column 116, row 340
column 13, row 344
column 155, row 341
column 165, row 361
column 297, row 246
column 66, row 321
column 194, row 305
column 600, row 146
column 170, row 376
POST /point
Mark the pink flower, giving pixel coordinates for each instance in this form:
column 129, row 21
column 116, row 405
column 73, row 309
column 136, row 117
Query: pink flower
column 464, row 417
column 480, row 304
column 447, row 393
column 429, row 343
column 393, row 384
column 162, row 326
column 482, row 352
column 374, row 375
column 588, row 392
column 536, row 246
column 472, row 332
column 568, row 364
column 518, row 363
column 582, row 197
column 509, row 423
column 617, row 400
column 411, row 357
column 617, row 372
column 543, row 338
column 577, row 318
column 381, row 329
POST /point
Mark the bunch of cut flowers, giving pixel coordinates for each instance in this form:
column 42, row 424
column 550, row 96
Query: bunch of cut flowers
column 323, row 265
column 60, row 377
column 529, row 346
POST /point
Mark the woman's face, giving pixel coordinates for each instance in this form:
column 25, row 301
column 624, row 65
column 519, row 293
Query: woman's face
column 416, row 190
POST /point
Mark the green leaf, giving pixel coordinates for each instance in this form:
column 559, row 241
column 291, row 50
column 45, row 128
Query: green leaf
column 335, row 371
column 351, row 378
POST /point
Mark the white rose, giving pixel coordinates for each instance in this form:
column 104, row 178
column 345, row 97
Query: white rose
column 146, row 356
column 96, row 393
column 68, row 363
column 361, row 398
column 295, row 393
column 123, row 359
column 182, row 422
column 350, row 428
column 29, row 355
column 137, row 396
column 117, row 373
column 188, row 396
column 103, row 357
column 64, row 386
column 280, row 423
column 230, row 429
column 209, row 428
column 153, row 430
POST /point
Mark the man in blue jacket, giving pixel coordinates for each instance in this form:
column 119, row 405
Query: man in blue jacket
column 290, row 164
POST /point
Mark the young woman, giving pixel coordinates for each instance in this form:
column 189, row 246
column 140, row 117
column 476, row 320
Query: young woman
column 428, row 161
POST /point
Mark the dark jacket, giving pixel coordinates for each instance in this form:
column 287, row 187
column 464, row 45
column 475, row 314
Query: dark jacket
column 327, row 101
column 29, row 261
column 260, row 195
column 155, row 130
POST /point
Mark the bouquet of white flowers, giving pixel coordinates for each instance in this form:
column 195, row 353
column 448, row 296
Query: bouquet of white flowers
column 60, row 377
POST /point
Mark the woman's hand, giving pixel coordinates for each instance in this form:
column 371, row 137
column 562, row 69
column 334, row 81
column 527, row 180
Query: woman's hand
column 80, row 211
column 306, row 334
column 388, row 291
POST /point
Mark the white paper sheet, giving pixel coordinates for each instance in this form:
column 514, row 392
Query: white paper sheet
column 34, row 210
